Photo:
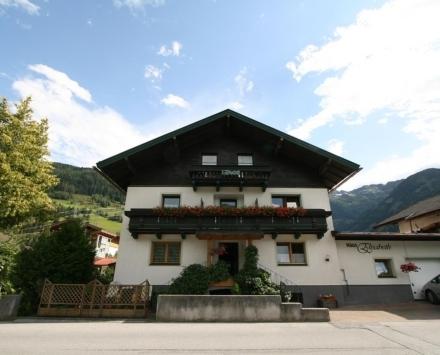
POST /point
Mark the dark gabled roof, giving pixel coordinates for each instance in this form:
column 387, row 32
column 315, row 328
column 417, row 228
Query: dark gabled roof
column 389, row 236
column 334, row 169
column 419, row 209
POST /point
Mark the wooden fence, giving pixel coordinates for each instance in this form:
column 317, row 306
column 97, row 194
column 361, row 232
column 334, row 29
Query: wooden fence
column 94, row 300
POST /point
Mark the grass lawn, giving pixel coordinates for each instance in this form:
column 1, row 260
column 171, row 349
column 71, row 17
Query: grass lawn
column 81, row 202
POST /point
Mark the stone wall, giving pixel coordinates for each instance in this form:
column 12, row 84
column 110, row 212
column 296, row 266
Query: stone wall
column 235, row 308
column 9, row 307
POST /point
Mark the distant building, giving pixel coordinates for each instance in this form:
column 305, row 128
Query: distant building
column 422, row 217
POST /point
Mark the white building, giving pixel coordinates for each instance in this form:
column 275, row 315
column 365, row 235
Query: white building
column 231, row 161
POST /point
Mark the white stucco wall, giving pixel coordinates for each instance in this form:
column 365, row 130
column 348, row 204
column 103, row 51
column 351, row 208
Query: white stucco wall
column 133, row 264
column 359, row 267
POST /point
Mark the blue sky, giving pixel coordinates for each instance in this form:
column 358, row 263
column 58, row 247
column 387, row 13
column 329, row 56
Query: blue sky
column 359, row 78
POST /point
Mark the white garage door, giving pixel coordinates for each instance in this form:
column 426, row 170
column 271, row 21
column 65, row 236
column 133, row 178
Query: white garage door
column 429, row 268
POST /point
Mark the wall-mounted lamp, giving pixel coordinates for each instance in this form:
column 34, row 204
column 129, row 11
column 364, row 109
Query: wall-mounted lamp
column 327, row 258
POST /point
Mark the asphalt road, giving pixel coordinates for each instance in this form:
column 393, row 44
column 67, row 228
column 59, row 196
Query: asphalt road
column 30, row 336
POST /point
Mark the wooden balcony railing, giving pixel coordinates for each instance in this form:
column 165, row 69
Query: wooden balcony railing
column 147, row 221
column 230, row 175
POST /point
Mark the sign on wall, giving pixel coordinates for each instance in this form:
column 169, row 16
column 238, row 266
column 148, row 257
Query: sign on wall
column 367, row 247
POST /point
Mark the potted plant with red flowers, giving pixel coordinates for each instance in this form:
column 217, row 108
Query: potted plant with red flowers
column 409, row 267
column 327, row 301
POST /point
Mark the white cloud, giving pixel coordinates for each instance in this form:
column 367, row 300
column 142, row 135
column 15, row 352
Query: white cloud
column 236, row 105
column 60, row 82
column 26, row 5
column 244, row 84
column 138, row 5
column 335, row 146
column 173, row 50
column 385, row 62
column 153, row 73
column 80, row 132
column 174, row 100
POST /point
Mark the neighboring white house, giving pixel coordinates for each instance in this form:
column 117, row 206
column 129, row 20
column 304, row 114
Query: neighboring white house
column 229, row 160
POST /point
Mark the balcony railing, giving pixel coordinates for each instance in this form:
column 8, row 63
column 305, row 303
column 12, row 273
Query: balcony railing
column 230, row 175
column 147, row 221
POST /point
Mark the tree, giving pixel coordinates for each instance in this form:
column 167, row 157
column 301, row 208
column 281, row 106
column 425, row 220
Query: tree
column 63, row 256
column 25, row 173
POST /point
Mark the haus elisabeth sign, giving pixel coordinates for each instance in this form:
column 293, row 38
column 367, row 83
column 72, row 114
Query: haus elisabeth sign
column 367, row 247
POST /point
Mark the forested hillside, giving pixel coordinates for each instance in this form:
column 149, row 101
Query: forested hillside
column 83, row 181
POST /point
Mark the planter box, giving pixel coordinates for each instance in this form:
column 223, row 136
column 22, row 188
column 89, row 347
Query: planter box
column 222, row 284
column 328, row 303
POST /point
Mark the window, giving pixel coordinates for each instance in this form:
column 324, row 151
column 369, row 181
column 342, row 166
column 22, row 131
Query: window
column 170, row 201
column 165, row 253
column 245, row 159
column 286, row 201
column 209, row 159
column 383, row 268
column 291, row 254
column 228, row 202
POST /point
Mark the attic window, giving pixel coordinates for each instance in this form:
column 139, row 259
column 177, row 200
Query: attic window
column 245, row 159
column 209, row 159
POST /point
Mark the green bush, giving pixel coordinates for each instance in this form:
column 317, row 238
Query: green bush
column 106, row 276
column 218, row 271
column 193, row 280
column 254, row 281
column 64, row 256
column 7, row 251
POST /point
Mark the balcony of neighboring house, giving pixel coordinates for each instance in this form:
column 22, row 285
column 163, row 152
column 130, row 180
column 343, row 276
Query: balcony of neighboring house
column 234, row 222
column 230, row 175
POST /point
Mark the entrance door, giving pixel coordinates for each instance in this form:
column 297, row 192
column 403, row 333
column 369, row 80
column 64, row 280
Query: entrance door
column 230, row 256
column 429, row 268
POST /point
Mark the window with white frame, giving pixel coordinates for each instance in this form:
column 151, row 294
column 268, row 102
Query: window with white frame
column 209, row 159
column 291, row 254
column 245, row 159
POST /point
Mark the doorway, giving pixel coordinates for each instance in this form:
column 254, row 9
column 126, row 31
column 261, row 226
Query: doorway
column 230, row 256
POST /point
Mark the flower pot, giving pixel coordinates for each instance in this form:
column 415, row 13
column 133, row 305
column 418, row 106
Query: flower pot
column 224, row 283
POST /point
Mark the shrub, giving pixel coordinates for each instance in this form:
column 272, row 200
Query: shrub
column 254, row 281
column 64, row 256
column 106, row 276
column 193, row 280
column 218, row 271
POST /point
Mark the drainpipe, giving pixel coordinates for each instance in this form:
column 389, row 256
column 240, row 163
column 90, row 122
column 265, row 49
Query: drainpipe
column 346, row 282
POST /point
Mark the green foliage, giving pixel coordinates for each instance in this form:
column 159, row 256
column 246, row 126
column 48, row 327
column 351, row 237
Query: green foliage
column 8, row 249
column 106, row 276
column 25, row 173
column 218, row 271
column 254, row 281
column 85, row 181
column 64, row 256
column 193, row 280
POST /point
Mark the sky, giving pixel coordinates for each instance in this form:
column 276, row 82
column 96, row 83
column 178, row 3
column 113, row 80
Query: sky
column 358, row 78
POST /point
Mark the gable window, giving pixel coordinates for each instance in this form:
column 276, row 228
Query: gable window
column 286, row 201
column 165, row 253
column 228, row 202
column 209, row 159
column 245, row 159
column 171, row 201
column 384, row 268
column 291, row 254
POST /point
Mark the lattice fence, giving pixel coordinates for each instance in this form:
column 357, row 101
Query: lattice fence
column 94, row 300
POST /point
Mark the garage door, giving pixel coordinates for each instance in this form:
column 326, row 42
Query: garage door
column 429, row 268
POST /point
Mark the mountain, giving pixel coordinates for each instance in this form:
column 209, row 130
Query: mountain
column 83, row 181
column 84, row 192
column 362, row 208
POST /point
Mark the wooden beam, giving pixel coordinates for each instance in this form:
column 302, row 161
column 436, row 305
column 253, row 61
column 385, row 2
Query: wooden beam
column 130, row 166
column 324, row 167
column 229, row 236
column 278, row 146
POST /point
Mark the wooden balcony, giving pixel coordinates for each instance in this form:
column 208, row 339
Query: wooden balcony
column 147, row 221
column 230, row 175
